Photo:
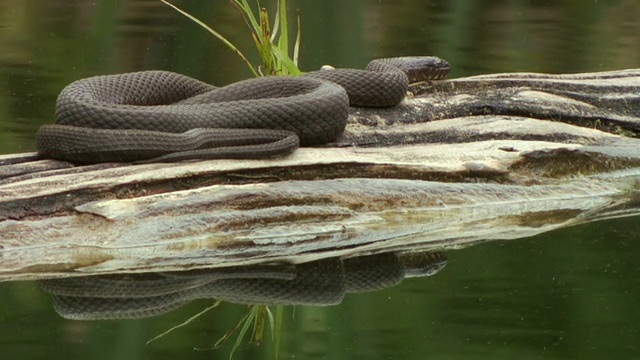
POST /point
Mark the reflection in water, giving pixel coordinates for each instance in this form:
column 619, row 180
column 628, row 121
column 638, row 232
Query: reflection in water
column 321, row 282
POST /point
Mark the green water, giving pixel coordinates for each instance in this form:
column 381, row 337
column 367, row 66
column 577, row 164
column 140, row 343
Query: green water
column 572, row 293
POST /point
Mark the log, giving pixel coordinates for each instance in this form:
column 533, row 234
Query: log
column 459, row 162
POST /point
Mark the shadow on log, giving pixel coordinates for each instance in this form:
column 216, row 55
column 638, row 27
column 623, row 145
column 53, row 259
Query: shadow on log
column 462, row 161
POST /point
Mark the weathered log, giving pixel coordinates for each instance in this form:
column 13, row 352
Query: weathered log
column 510, row 155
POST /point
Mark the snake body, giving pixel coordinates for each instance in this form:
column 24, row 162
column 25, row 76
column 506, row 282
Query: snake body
column 155, row 116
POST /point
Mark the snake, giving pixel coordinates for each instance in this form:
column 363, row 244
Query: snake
column 163, row 116
column 319, row 283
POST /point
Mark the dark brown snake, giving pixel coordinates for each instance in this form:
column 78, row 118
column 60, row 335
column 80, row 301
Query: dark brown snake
column 322, row 282
column 158, row 116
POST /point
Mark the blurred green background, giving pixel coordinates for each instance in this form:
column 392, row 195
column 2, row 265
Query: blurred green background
column 568, row 294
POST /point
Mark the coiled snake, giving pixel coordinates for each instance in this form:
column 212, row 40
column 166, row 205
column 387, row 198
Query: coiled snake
column 157, row 116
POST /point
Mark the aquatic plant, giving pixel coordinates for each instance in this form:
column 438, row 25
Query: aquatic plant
column 272, row 41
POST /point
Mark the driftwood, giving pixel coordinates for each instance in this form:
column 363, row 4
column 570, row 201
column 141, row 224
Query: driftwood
column 510, row 155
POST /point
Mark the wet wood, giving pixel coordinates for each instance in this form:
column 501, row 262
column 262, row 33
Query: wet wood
column 487, row 157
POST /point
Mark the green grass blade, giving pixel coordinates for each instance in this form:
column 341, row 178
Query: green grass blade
column 266, row 49
column 243, row 319
column 258, row 325
column 247, row 14
column 281, row 18
column 277, row 329
column 247, row 322
column 283, row 40
column 184, row 322
column 296, row 46
column 276, row 25
column 215, row 33
column 271, row 322
column 290, row 66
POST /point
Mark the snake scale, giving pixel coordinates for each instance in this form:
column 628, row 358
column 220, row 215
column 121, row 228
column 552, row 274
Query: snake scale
column 161, row 116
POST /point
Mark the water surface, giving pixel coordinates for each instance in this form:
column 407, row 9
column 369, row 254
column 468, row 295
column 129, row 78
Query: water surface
column 567, row 294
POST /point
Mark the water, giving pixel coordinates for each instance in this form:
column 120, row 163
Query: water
column 568, row 294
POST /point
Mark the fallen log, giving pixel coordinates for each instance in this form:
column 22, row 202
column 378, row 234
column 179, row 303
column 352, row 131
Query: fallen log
column 462, row 161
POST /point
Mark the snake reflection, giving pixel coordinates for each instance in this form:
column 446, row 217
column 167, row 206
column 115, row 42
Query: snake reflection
column 323, row 282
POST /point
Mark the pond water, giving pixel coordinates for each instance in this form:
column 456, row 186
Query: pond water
column 572, row 293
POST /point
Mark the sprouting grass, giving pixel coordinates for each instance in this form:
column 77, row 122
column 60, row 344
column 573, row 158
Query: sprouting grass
column 255, row 314
column 272, row 42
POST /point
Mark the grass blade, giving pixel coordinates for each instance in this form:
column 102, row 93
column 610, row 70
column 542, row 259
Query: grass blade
column 184, row 322
column 276, row 25
column 296, row 46
column 287, row 63
column 247, row 14
column 258, row 324
column 246, row 317
column 215, row 33
column 266, row 48
column 247, row 322
column 281, row 18
column 277, row 329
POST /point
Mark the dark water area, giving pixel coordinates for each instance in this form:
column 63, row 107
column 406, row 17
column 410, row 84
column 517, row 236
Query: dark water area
column 572, row 293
